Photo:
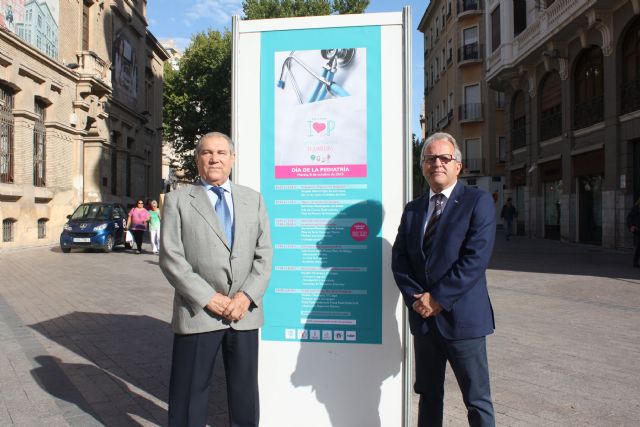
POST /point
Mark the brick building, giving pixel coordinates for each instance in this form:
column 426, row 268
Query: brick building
column 80, row 113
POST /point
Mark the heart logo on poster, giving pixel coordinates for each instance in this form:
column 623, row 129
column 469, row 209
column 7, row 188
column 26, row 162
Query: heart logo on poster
column 319, row 127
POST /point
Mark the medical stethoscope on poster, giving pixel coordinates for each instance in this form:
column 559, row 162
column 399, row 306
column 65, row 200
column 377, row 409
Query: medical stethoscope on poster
column 336, row 58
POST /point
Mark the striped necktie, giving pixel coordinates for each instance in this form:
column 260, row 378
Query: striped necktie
column 222, row 209
column 430, row 231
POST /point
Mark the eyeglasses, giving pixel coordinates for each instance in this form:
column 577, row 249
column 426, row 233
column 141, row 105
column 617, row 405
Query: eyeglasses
column 444, row 158
column 141, row 203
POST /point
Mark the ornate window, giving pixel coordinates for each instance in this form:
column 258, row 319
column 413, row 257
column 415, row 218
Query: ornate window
column 631, row 69
column 6, row 135
column 39, row 145
column 518, row 122
column 8, row 230
column 550, row 106
column 42, row 228
column 589, row 89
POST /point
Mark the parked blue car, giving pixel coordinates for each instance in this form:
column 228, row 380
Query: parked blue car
column 95, row 225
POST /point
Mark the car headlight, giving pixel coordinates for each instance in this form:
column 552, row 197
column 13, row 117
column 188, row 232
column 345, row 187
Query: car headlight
column 67, row 227
column 100, row 227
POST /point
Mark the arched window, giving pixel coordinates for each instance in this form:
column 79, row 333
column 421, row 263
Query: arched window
column 42, row 228
column 8, row 229
column 550, row 106
column 631, row 69
column 518, row 122
column 589, row 89
column 6, row 135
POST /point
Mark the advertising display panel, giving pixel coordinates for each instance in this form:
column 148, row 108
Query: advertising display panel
column 319, row 122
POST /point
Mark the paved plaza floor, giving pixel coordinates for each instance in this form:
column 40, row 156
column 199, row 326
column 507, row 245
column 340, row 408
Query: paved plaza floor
column 85, row 339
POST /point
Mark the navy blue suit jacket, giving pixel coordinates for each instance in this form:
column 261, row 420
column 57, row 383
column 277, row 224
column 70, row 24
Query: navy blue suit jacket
column 454, row 271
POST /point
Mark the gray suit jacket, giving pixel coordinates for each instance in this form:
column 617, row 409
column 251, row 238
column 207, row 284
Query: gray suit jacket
column 196, row 259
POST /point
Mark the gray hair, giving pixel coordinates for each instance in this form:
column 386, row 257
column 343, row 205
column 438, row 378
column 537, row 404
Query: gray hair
column 154, row 202
column 232, row 147
column 457, row 154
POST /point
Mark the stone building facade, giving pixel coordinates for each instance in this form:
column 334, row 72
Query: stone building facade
column 78, row 123
column 570, row 70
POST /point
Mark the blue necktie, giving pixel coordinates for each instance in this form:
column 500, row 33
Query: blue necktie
column 430, row 231
column 222, row 209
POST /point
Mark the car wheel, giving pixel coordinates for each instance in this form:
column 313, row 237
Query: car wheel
column 108, row 244
column 66, row 250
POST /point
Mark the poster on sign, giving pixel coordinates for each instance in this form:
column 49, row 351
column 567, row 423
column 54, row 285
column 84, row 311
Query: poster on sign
column 320, row 107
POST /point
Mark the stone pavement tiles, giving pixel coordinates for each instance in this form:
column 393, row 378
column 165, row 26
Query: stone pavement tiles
column 85, row 339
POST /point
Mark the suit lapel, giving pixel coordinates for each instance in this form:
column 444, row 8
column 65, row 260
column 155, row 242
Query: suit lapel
column 202, row 204
column 449, row 212
column 453, row 204
column 418, row 226
column 240, row 210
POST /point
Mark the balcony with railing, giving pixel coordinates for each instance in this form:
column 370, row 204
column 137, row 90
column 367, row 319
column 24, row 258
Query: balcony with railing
column 543, row 27
column 89, row 63
column 470, row 7
column 589, row 112
column 444, row 121
column 470, row 53
column 630, row 96
column 471, row 112
column 471, row 166
column 551, row 123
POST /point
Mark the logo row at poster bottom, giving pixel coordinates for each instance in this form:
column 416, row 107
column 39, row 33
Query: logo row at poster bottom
column 319, row 335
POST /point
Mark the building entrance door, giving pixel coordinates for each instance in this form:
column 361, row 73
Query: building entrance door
column 552, row 192
column 636, row 170
column 590, row 209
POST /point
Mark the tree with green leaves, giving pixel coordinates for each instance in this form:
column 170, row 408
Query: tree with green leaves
column 419, row 183
column 260, row 9
column 197, row 96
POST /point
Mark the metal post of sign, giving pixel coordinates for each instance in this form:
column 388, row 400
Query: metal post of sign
column 234, row 89
column 408, row 185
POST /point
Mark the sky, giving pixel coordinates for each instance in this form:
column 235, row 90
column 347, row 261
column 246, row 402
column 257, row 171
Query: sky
column 180, row 19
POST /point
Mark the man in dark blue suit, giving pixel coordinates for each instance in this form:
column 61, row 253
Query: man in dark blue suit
column 439, row 261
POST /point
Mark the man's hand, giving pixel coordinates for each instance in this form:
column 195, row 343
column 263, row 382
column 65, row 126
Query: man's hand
column 426, row 305
column 237, row 307
column 218, row 304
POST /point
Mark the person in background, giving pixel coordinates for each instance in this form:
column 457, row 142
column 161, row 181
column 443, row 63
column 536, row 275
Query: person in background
column 633, row 222
column 137, row 223
column 154, row 226
column 508, row 214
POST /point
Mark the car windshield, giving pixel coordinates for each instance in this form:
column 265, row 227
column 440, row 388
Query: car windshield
column 90, row 211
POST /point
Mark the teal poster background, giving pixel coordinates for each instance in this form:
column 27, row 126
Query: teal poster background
column 325, row 222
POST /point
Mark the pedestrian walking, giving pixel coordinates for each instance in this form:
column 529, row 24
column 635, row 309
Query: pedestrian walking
column 508, row 214
column 154, row 226
column 137, row 223
column 633, row 222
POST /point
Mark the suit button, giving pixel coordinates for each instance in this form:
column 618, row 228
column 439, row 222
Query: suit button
column 230, row 282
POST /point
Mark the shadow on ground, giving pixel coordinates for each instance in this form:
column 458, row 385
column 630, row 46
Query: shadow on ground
column 555, row 257
column 127, row 377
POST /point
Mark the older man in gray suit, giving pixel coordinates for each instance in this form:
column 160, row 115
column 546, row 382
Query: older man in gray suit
column 216, row 252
